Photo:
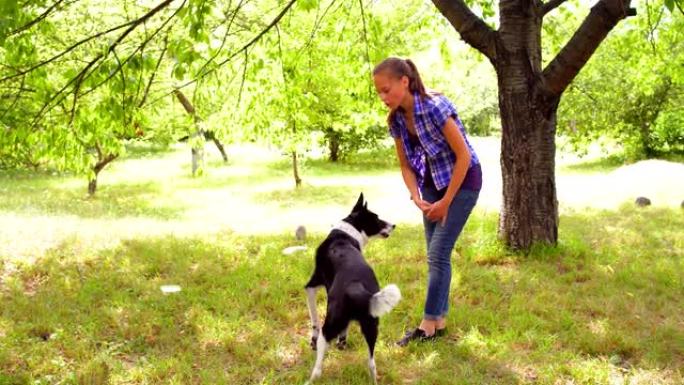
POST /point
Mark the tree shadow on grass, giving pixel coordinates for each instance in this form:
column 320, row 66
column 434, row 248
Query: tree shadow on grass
column 52, row 196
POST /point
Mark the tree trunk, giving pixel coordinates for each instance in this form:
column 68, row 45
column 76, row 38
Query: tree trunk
column 92, row 186
column 530, row 207
column 295, row 169
column 101, row 163
column 528, row 117
column 334, row 145
column 197, row 158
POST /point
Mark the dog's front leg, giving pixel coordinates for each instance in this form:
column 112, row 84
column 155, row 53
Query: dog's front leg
column 315, row 325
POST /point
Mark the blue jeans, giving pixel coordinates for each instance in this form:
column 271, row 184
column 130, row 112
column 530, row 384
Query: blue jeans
column 440, row 243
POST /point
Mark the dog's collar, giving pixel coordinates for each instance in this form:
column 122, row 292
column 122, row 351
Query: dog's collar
column 359, row 236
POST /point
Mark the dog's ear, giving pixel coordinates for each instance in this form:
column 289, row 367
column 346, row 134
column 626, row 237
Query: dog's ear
column 359, row 203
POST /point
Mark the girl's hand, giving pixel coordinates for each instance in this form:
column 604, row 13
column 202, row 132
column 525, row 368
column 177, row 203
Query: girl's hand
column 438, row 211
column 424, row 206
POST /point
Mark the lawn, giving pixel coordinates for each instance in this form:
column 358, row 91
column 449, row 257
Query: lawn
column 81, row 301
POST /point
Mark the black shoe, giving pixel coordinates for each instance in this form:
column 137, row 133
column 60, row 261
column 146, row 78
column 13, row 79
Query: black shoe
column 415, row 335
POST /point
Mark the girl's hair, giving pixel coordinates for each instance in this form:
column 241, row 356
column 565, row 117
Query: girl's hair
column 400, row 67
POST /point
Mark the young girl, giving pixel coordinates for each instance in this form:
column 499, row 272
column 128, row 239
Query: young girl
column 441, row 172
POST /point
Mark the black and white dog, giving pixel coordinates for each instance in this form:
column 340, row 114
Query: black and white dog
column 353, row 291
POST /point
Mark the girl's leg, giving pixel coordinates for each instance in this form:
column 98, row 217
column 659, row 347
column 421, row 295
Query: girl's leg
column 439, row 257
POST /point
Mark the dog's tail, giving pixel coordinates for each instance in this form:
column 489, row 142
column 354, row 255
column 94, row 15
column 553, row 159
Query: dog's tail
column 384, row 300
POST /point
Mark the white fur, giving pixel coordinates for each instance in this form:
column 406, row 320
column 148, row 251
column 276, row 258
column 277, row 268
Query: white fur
column 321, row 347
column 384, row 300
column 313, row 314
column 346, row 227
column 373, row 370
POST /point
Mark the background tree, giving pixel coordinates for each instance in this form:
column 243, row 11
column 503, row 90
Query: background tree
column 614, row 97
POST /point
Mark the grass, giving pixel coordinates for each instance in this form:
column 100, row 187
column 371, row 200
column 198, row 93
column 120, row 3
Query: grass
column 596, row 165
column 602, row 307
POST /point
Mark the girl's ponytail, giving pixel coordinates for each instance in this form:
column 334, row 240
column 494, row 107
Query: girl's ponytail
column 415, row 83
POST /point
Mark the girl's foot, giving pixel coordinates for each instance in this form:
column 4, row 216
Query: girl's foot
column 416, row 334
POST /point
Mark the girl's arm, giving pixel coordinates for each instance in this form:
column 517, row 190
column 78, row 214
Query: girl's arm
column 458, row 145
column 409, row 176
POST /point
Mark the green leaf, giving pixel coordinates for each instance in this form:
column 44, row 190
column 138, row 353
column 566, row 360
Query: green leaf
column 308, row 5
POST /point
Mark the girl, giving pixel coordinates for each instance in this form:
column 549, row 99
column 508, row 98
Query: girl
column 441, row 172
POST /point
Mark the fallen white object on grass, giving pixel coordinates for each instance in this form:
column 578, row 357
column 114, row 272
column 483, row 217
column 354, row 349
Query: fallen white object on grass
column 166, row 289
column 293, row 249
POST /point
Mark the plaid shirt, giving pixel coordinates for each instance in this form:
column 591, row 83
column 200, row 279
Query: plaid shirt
column 430, row 116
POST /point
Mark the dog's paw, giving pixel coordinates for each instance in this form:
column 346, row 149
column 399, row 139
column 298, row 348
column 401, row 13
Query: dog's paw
column 313, row 343
column 315, row 374
column 342, row 343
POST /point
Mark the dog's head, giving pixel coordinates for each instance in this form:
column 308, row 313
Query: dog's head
column 368, row 222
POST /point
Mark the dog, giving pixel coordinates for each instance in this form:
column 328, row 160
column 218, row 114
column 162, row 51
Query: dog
column 352, row 289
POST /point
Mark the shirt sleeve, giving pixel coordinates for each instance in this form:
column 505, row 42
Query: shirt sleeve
column 441, row 110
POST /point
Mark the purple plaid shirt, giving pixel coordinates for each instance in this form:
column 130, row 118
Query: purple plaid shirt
column 430, row 116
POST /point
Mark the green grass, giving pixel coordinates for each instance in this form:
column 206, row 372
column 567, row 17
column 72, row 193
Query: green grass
column 606, row 302
column 602, row 307
column 596, row 165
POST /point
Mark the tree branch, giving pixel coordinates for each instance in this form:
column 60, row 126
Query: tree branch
column 48, row 61
column 140, row 47
column 246, row 46
column 83, row 74
column 35, row 21
column 603, row 17
column 365, row 38
column 550, row 6
column 16, row 98
column 149, row 83
column 234, row 54
column 225, row 36
column 472, row 29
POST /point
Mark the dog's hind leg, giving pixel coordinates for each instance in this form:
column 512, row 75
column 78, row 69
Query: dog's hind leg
column 321, row 347
column 315, row 325
column 369, row 328
column 331, row 328
column 342, row 339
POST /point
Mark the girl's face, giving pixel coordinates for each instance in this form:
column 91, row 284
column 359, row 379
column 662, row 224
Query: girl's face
column 391, row 90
